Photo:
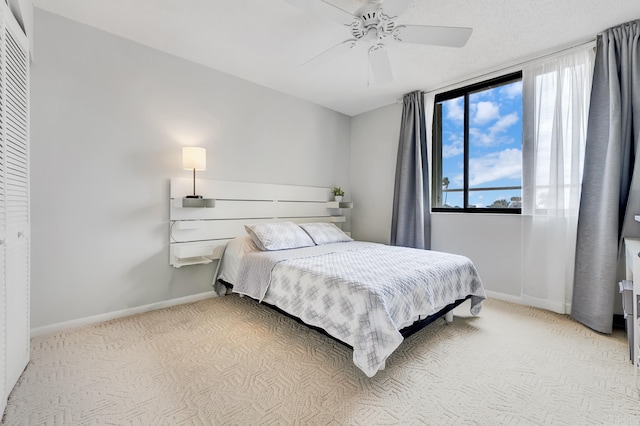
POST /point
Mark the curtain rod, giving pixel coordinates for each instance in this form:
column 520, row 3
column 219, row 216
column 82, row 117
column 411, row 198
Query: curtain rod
column 511, row 67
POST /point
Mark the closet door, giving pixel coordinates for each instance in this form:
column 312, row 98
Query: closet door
column 4, row 390
column 15, row 126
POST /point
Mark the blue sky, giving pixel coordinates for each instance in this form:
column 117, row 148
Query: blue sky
column 495, row 144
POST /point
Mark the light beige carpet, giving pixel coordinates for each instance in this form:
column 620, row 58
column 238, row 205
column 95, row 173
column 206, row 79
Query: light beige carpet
column 231, row 361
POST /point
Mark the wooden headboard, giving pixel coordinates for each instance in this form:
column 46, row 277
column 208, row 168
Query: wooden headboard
column 199, row 234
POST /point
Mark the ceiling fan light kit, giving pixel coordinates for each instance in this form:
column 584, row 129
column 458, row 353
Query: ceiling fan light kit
column 371, row 25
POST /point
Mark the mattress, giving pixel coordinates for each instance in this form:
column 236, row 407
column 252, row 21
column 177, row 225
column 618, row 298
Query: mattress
column 360, row 293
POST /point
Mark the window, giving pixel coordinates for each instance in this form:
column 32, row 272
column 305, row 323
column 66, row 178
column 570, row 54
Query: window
column 477, row 147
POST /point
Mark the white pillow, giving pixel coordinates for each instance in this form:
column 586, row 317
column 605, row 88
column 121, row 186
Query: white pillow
column 233, row 253
column 278, row 236
column 325, row 233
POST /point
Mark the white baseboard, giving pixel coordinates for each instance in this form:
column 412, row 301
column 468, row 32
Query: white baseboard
column 81, row 322
column 503, row 296
column 528, row 301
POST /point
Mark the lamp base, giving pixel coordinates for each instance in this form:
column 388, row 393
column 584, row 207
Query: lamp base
column 194, row 196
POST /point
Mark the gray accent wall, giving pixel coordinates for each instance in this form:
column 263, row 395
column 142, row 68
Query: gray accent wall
column 108, row 120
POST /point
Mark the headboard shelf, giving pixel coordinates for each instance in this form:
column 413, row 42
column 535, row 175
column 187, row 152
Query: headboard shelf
column 221, row 190
column 206, row 203
column 198, row 235
column 234, row 209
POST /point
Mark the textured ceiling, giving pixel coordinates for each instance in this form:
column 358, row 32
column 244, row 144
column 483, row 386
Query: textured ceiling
column 264, row 41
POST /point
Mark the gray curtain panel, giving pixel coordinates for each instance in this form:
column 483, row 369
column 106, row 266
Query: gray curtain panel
column 611, row 185
column 411, row 221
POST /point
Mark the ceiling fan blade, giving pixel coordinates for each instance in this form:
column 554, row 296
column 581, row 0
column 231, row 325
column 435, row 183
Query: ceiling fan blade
column 326, row 10
column 380, row 65
column 329, row 54
column 438, row 36
column 395, row 8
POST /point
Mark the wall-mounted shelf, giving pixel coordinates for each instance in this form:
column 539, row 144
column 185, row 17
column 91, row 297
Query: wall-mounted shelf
column 200, row 260
column 339, row 204
column 198, row 202
column 335, row 207
column 195, row 253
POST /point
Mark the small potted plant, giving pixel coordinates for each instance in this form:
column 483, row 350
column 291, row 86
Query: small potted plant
column 338, row 193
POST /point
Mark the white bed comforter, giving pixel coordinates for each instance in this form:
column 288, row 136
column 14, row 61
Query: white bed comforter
column 360, row 293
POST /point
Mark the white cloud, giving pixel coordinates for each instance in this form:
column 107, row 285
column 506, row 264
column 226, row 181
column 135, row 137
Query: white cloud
column 483, row 95
column 455, row 110
column 456, row 147
column 504, row 123
column 458, row 181
column 493, row 135
column 512, row 90
column 497, row 165
column 485, row 112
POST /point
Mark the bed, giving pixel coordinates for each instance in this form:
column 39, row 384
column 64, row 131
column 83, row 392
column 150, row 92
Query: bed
column 368, row 296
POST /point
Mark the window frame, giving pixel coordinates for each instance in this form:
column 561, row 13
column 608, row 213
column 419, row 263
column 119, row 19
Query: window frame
column 436, row 146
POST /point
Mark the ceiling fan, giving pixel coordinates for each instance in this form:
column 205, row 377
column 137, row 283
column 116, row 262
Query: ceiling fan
column 373, row 25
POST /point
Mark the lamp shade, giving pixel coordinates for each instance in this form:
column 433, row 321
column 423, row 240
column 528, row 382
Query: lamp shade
column 194, row 158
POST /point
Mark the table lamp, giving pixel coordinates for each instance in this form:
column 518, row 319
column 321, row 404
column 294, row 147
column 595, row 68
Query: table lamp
column 194, row 158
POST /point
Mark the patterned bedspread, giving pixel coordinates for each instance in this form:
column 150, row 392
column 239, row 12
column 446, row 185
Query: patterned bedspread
column 360, row 293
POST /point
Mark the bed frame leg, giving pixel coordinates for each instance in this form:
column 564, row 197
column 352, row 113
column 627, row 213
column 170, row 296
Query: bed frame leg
column 448, row 317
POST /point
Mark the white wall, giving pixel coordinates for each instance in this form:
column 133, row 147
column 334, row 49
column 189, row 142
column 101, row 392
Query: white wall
column 493, row 242
column 374, row 149
column 108, row 119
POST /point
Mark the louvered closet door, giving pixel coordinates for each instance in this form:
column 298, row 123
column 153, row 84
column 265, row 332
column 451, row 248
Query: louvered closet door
column 3, row 235
column 16, row 187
